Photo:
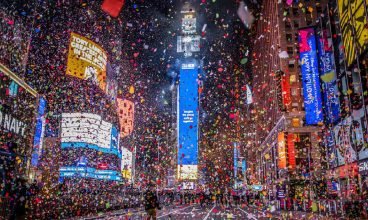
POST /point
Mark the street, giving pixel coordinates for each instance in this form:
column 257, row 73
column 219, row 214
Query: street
column 211, row 212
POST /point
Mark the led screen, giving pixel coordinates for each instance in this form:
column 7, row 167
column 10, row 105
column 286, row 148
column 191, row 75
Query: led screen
column 188, row 122
column 86, row 130
column 328, row 77
column 126, row 163
column 87, row 60
column 310, row 76
column 39, row 131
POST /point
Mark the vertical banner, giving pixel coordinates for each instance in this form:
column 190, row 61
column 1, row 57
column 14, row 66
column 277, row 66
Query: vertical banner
column 244, row 166
column 188, row 122
column 236, row 155
column 281, row 150
column 285, row 89
column 310, row 75
column 291, row 150
column 39, row 132
column 329, row 81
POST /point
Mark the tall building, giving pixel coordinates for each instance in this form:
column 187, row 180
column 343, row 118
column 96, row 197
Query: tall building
column 286, row 145
column 188, row 99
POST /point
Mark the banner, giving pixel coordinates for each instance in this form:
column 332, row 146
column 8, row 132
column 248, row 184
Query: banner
column 285, row 89
column 310, row 75
column 353, row 23
column 87, row 60
column 281, row 150
column 328, row 77
column 188, row 122
column 291, row 150
column 39, row 132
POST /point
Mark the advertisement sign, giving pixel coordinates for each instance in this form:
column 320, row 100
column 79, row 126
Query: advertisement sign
column 328, row 78
column 244, row 166
column 39, row 131
column 350, row 138
column 126, row 116
column 331, row 150
column 285, row 89
column 126, row 163
column 310, row 76
column 188, row 122
column 87, row 60
column 86, row 130
column 291, row 150
column 236, row 155
column 363, row 167
column 281, row 150
column 88, row 172
column 353, row 23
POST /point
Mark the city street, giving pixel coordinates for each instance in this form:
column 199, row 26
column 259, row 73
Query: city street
column 130, row 109
column 211, row 212
column 188, row 212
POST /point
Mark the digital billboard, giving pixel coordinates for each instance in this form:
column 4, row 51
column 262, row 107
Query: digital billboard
column 310, row 76
column 88, row 172
column 39, row 131
column 281, row 149
column 87, row 60
column 188, row 122
column 329, row 80
column 86, row 130
column 126, row 116
column 353, row 23
column 126, row 163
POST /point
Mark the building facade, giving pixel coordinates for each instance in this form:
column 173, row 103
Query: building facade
column 287, row 142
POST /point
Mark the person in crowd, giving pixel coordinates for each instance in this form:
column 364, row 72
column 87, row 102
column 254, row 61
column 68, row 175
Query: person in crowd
column 151, row 202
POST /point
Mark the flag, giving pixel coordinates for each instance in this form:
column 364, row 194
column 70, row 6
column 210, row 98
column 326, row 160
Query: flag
column 112, row 7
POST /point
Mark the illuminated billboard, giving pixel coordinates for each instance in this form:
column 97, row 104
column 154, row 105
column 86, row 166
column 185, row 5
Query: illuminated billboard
column 353, row 23
column 39, row 131
column 87, row 60
column 126, row 163
column 310, row 76
column 188, row 122
column 329, row 81
column 281, row 149
column 86, row 130
column 88, row 172
column 126, row 116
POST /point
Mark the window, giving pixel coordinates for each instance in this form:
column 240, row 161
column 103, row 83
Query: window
column 287, row 25
column 294, row 92
column 295, row 11
column 289, row 37
column 319, row 9
column 290, row 50
column 309, row 21
column 296, row 24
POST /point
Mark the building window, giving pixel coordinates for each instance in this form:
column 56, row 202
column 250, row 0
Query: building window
column 295, row 11
column 319, row 9
column 289, row 38
column 296, row 24
column 290, row 51
column 287, row 25
column 294, row 92
column 309, row 20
